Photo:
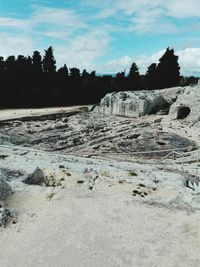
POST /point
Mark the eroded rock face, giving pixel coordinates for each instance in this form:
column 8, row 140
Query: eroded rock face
column 178, row 102
column 6, row 215
column 5, row 189
column 187, row 105
column 138, row 103
column 35, row 178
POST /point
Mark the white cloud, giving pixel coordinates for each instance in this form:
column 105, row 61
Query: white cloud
column 183, row 8
column 83, row 50
column 189, row 60
column 144, row 16
column 15, row 45
column 11, row 22
column 80, row 42
column 76, row 43
column 56, row 16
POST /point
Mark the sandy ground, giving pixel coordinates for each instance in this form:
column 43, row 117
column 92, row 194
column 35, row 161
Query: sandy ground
column 106, row 227
column 77, row 227
column 17, row 113
column 81, row 228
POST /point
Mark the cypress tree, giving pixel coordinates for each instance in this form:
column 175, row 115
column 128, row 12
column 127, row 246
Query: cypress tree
column 49, row 62
column 151, row 76
column 168, row 70
column 133, row 77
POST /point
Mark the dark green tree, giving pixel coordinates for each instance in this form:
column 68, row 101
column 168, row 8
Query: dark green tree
column 119, row 82
column 133, row 77
column 150, row 77
column 85, row 75
column 37, row 63
column 75, row 73
column 168, row 70
column 49, row 62
column 63, row 72
column 2, row 68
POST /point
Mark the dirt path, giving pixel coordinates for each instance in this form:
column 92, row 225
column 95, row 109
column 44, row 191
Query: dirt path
column 86, row 229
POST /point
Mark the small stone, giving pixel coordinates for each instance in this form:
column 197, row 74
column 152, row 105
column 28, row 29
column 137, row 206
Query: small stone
column 35, row 178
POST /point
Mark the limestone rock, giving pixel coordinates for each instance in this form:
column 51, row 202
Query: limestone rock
column 3, row 215
column 178, row 102
column 5, row 189
column 187, row 105
column 35, row 178
column 6, row 215
column 137, row 103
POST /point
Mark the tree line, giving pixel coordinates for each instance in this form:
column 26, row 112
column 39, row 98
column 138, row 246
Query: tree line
column 34, row 81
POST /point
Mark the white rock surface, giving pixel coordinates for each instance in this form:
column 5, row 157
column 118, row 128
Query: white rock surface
column 140, row 103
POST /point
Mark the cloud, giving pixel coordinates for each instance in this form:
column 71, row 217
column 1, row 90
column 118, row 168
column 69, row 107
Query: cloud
column 56, row 16
column 75, row 41
column 15, row 45
column 189, row 60
column 11, row 22
column 144, row 16
column 183, row 8
column 83, row 50
column 81, row 36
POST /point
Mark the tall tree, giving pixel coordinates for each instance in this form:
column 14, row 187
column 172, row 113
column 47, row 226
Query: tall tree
column 2, row 68
column 62, row 85
column 49, row 62
column 150, row 77
column 85, row 74
column 133, row 77
column 37, row 63
column 119, row 82
column 168, row 70
column 63, row 72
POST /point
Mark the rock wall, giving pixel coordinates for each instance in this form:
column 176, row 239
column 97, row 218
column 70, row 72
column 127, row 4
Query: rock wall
column 166, row 101
column 187, row 105
column 5, row 189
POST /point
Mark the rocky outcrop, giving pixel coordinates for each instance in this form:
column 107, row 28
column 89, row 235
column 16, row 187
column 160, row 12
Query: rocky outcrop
column 187, row 105
column 35, row 178
column 138, row 103
column 5, row 189
column 178, row 102
column 6, row 215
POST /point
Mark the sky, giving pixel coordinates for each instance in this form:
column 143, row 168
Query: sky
column 106, row 36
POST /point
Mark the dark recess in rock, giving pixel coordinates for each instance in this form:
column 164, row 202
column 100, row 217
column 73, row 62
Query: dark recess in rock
column 35, row 178
column 183, row 112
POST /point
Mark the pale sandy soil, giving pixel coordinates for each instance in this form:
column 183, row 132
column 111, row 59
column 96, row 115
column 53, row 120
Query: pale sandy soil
column 16, row 113
column 106, row 227
column 78, row 228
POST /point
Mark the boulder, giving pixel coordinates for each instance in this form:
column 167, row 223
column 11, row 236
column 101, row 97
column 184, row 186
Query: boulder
column 177, row 102
column 5, row 188
column 187, row 106
column 138, row 103
column 35, row 178
column 5, row 191
column 3, row 215
column 6, row 215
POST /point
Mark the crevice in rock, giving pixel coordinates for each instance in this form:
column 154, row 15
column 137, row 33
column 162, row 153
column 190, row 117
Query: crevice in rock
column 183, row 112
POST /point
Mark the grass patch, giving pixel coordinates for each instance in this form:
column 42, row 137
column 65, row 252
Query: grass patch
column 80, row 182
column 132, row 173
column 105, row 173
column 3, row 156
column 52, row 182
column 61, row 166
column 50, row 196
